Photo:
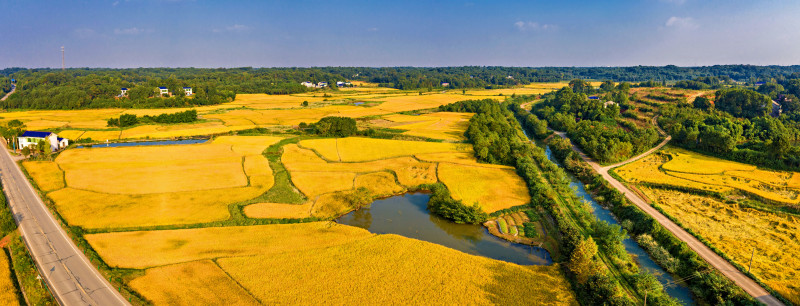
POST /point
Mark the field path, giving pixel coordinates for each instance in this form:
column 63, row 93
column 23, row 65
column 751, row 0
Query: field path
column 72, row 279
column 13, row 89
column 723, row 266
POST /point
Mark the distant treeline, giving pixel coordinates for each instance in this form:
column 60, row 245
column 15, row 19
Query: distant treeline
column 100, row 87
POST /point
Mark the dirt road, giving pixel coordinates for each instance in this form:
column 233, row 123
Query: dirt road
column 719, row 263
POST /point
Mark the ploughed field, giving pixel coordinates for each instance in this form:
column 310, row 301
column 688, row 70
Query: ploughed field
column 174, row 220
column 736, row 207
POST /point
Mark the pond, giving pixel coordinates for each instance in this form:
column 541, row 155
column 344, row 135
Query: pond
column 678, row 291
column 407, row 215
column 144, row 143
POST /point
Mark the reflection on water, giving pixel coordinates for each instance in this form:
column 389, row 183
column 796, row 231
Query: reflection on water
column 407, row 215
column 144, row 143
column 678, row 291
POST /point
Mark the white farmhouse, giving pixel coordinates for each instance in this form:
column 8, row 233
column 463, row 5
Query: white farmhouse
column 188, row 91
column 163, row 90
column 32, row 138
column 308, row 84
column 123, row 92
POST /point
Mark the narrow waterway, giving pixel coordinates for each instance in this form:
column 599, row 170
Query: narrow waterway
column 407, row 215
column 144, row 143
column 678, row 291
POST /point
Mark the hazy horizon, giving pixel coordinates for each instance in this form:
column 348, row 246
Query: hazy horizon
column 200, row 34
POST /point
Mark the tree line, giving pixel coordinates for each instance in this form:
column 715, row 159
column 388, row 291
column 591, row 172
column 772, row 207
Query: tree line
column 126, row 120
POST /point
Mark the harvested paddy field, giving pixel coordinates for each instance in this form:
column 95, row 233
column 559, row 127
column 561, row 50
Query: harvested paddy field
column 368, row 267
column 736, row 230
column 156, row 185
column 685, row 169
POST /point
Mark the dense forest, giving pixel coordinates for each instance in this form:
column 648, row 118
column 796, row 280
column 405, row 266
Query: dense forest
column 594, row 125
column 738, row 127
column 100, row 87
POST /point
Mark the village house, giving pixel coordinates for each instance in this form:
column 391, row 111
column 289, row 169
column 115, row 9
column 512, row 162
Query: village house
column 123, row 92
column 445, row 84
column 776, row 109
column 32, row 138
column 188, row 91
column 609, row 103
column 322, row 84
column 163, row 90
column 308, row 84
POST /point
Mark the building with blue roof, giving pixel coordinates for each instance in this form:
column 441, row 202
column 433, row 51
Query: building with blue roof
column 32, row 138
column 163, row 90
column 188, row 91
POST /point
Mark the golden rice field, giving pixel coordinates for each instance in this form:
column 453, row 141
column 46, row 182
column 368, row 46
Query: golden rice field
column 493, row 188
column 682, row 168
column 390, row 269
column 160, row 185
column 142, row 249
column 47, row 175
column 390, row 171
column 254, row 110
column 283, row 263
column 153, row 169
column 441, row 125
column 189, row 284
column 357, row 149
column 737, row 230
column 8, row 291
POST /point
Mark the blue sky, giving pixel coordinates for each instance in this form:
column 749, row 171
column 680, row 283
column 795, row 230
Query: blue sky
column 175, row 33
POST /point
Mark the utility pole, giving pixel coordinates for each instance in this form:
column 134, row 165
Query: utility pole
column 751, row 260
column 62, row 58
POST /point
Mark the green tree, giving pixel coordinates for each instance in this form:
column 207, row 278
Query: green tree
column 702, row 103
column 582, row 262
column 305, row 104
column 607, row 85
column 741, row 102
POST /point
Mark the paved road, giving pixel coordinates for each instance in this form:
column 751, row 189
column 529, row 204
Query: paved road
column 73, row 280
column 13, row 89
column 719, row 263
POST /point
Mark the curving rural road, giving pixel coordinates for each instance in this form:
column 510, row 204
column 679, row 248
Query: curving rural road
column 719, row 263
column 13, row 89
column 73, row 280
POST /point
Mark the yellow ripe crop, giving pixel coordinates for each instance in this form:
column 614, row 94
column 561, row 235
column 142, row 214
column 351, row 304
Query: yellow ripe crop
column 278, row 210
column 71, row 134
column 353, row 149
column 737, row 230
column 46, row 174
column 379, row 183
column 248, row 145
column 467, row 159
column 494, row 189
column 153, row 169
column 101, row 136
column 410, row 172
column 442, row 125
column 181, row 130
column 161, row 185
column 390, row 269
column 696, row 171
column 8, row 291
column 313, row 184
column 144, row 249
column 690, row 162
column 192, row 283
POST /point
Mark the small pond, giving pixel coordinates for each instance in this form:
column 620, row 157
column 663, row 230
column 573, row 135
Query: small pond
column 144, row 143
column 407, row 215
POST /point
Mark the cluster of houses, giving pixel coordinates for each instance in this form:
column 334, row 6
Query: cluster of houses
column 325, row 84
column 123, row 92
column 32, row 139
